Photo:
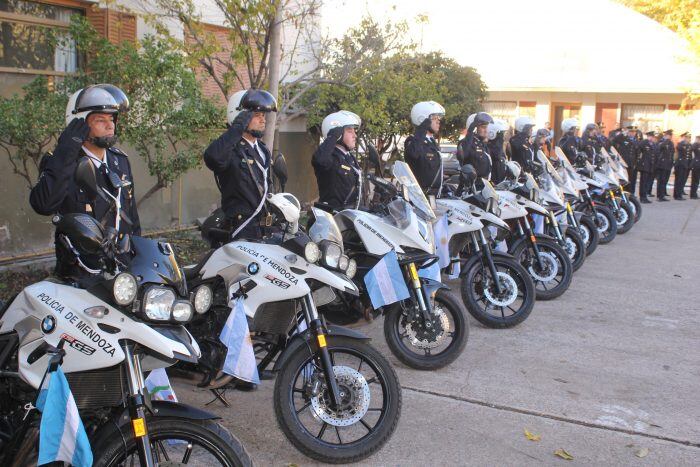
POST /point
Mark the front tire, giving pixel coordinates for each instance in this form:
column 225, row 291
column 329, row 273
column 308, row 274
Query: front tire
column 575, row 247
column 314, row 427
column 589, row 233
column 555, row 279
column 636, row 205
column 606, row 224
column 409, row 346
column 624, row 218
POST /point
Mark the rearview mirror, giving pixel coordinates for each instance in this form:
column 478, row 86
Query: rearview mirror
column 372, row 155
column 468, row 173
column 86, row 178
column 280, row 170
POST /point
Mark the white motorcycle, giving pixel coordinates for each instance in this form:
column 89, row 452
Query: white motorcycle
column 107, row 331
column 336, row 398
column 619, row 166
column 472, row 214
column 609, row 186
column 429, row 329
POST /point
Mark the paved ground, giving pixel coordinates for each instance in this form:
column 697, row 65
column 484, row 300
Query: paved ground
column 609, row 372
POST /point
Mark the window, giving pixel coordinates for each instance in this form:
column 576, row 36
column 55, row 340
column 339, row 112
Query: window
column 527, row 109
column 33, row 41
column 646, row 116
column 501, row 109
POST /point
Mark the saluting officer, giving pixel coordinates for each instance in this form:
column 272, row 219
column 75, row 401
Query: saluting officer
column 645, row 165
column 338, row 174
column 421, row 149
column 664, row 164
column 91, row 122
column 241, row 164
column 472, row 148
column 681, row 168
column 519, row 147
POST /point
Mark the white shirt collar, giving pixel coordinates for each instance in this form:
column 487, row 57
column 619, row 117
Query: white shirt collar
column 96, row 160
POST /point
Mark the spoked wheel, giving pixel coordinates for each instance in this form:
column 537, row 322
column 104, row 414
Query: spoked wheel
column 427, row 345
column 504, row 309
column 553, row 276
column 589, row 234
column 174, row 441
column 575, row 247
column 606, row 224
column 636, row 207
column 360, row 424
column 624, row 218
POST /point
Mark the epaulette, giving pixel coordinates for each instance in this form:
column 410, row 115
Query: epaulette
column 118, row 151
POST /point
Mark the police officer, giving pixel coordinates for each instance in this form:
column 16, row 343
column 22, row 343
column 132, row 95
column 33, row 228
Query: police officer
column 495, row 133
column 625, row 144
column 337, row 172
column 472, row 148
column 681, row 167
column 241, row 164
column 519, row 148
column 421, row 149
column 695, row 169
column 645, row 165
column 91, row 119
column 664, row 164
column 569, row 141
column 589, row 142
column 603, row 141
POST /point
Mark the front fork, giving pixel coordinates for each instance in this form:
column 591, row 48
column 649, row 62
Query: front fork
column 318, row 332
column 481, row 244
column 613, row 200
column 572, row 218
column 557, row 229
column 526, row 228
column 418, row 292
column 137, row 405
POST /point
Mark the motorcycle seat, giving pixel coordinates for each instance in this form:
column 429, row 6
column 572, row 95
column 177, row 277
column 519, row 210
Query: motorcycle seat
column 192, row 271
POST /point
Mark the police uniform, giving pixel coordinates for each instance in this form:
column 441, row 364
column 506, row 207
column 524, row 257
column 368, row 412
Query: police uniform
column 422, row 155
column 242, row 173
column 681, row 167
column 337, row 174
column 645, row 165
column 521, row 151
column 590, row 146
column 498, row 159
column 663, row 166
column 570, row 144
column 695, row 170
column 472, row 150
column 57, row 193
column 626, row 147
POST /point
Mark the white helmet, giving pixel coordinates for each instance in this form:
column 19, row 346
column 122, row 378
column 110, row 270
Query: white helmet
column 342, row 118
column 256, row 100
column 494, row 128
column 233, row 103
column 423, row 110
column 101, row 98
column 569, row 123
column 521, row 123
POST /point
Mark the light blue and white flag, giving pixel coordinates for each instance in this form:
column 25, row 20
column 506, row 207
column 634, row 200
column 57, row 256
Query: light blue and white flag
column 455, row 269
column 62, row 436
column 431, row 272
column 385, row 283
column 539, row 223
column 442, row 249
column 159, row 387
column 240, row 358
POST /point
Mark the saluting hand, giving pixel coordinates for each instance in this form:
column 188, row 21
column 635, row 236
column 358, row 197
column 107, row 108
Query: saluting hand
column 71, row 140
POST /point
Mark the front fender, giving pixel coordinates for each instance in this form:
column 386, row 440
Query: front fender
column 304, row 340
column 431, row 285
column 514, row 245
column 333, row 279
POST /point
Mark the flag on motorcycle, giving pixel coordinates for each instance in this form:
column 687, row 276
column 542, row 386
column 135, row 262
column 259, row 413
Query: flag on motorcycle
column 240, row 358
column 62, row 436
column 539, row 223
column 442, row 237
column 385, row 282
column 158, row 386
column 431, row 272
column 455, row 268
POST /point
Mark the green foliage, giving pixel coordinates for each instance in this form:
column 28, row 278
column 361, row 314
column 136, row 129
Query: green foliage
column 28, row 125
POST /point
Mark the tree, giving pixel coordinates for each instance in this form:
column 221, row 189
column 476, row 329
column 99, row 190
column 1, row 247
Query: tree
column 28, row 126
column 169, row 121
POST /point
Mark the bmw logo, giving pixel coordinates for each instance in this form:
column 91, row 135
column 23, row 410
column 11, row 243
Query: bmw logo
column 253, row 268
column 48, row 324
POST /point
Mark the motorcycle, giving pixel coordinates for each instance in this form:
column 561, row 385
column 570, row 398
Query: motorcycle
column 429, row 329
column 606, row 194
column 107, row 331
column 495, row 287
column 621, row 170
column 605, row 219
column 336, row 398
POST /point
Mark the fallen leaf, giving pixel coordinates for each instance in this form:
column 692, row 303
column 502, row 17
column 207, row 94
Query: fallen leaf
column 532, row 437
column 642, row 452
column 563, row 454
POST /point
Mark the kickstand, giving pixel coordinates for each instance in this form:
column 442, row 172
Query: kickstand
column 219, row 394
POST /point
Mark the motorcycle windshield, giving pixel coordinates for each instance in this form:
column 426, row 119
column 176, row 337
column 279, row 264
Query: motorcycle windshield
column 154, row 263
column 404, row 175
column 548, row 167
column 400, row 213
column 564, row 161
column 324, row 228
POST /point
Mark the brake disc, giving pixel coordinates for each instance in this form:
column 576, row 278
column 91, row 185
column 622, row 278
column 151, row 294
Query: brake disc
column 551, row 268
column 354, row 399
column 429, row 338
column 509, row 290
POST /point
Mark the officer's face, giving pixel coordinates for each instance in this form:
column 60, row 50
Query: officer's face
column 350, row 137
column 101, row 125
column 482, row 130
column 435, row 124
column 257, row 123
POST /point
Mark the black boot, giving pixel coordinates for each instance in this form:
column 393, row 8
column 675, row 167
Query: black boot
column 644, row 201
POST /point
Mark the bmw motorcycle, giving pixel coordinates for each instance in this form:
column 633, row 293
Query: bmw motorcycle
column 107, row 331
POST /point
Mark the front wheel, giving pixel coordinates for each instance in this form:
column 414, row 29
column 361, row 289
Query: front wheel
column 174, row 441
column 636, row 206
column 606, row 224
column 575, row 247
column 553, row 276
column 427, row 346
column 589, row 233
column 506, row 309
column 368, row 412
column 624, row 217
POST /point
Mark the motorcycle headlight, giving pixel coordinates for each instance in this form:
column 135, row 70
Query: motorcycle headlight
column 311, row 252
column 202, row 299
column 124, row 289
column 352, row 269
column 331, row 255
column 158, row 303
column 182, row 311
column 343, row 263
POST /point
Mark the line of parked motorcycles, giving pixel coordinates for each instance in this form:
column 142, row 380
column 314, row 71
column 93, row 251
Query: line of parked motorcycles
column 336, row 398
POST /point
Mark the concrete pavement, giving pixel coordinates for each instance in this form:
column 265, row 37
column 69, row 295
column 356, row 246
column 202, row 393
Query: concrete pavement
column 609, row 372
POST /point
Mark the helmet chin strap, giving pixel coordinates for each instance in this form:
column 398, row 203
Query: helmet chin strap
column 103, row 142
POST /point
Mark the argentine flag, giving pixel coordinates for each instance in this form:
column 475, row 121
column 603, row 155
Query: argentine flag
column 385, row 283
column 441, row 235
column 62, row 435
column 159, row 387
column 240, row 358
